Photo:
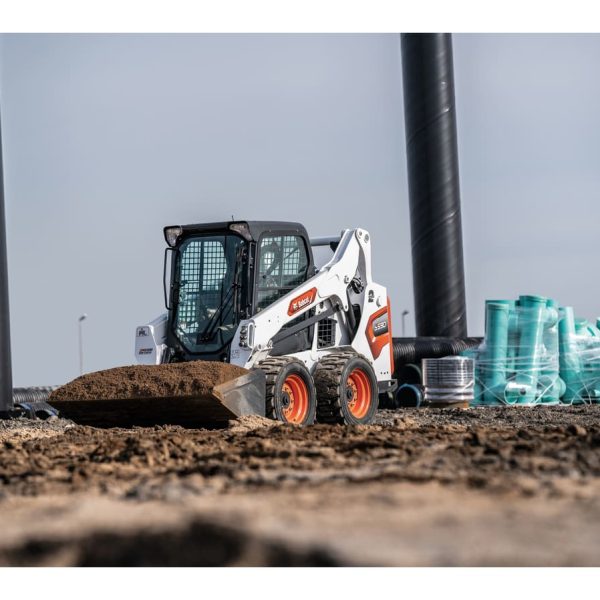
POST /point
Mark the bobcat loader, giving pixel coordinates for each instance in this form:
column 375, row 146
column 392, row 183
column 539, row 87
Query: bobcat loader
column 317, row 343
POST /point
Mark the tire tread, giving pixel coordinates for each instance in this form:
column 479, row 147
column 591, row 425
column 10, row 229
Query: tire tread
column 271, row 367
column 328, row 377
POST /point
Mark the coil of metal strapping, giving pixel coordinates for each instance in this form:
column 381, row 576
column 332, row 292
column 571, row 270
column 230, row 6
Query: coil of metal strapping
column 448, row 381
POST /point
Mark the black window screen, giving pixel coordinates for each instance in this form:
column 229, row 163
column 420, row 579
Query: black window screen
column 282, row 266
column 190, row 278
column 203, row 268
column 214, row 266
column 207, row 297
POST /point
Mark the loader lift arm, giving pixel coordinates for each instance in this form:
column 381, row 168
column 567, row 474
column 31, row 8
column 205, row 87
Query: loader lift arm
column 346, row 277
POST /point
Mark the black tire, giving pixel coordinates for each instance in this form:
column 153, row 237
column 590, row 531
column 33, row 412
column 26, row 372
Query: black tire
column 337, row 397
column 283, row 377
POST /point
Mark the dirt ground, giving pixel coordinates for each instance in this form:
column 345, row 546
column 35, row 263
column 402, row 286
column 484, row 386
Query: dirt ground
column 480, row 486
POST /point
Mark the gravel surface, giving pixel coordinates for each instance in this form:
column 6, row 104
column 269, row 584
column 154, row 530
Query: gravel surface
column 498, row 449
column 21, row 429
column 426, row 486
column 494, row 417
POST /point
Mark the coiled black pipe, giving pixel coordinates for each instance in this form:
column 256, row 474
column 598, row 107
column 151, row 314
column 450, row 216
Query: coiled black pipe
column 413, row 350
column 33, row 402
column 32, row 394
column 432, row 157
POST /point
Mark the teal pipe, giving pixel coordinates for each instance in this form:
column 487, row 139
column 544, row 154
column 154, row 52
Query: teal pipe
column 513, row 338
column 552, row 388
column 592, row 330
column 496, row 348
column 513, row 333
column 597, row 390
column 587, row 347
column 589, row 352
column 570, row 364
column 532, row 314
column 551, row 384
column 581, row 327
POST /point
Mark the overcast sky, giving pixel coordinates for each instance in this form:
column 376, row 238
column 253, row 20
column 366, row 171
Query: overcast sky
column 109, row 138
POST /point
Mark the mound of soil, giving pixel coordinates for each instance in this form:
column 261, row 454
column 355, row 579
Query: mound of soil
column 194, row 378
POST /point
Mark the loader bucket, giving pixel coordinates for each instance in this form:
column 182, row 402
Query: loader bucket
column 243, row 395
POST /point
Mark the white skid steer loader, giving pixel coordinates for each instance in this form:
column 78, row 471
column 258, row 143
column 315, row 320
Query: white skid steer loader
column 318, row 343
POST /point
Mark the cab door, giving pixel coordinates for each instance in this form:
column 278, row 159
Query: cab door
column 283, row 263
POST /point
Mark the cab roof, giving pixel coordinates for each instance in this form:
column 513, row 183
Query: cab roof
column 250, row 230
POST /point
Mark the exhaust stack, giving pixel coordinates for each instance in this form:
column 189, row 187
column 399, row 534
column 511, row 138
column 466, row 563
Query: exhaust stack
column 432, row 155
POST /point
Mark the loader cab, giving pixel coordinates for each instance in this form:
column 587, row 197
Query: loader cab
column 217, row 274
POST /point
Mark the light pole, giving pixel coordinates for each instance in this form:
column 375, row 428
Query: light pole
column 6, row 399
column 404, row 313
column 80, row 321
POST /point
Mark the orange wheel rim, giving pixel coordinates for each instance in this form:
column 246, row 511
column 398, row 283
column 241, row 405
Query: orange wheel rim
column 359, row 396
column 297, row 391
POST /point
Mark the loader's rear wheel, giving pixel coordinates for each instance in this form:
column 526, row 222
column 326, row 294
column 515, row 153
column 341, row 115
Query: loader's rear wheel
column 358, row 392
column 346, row 389
column 291, row 395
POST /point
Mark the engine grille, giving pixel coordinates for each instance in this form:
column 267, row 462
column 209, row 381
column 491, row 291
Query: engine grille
column 326, row 333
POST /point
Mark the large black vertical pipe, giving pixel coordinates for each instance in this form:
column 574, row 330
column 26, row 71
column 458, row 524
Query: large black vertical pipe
column 6, row 401
column 432, row 154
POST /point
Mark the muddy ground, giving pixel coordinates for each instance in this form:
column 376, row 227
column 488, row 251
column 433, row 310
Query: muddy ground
column 480, row 486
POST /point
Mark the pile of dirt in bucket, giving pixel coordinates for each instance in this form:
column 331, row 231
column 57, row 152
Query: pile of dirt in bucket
column 146, row 395
column 149, row 381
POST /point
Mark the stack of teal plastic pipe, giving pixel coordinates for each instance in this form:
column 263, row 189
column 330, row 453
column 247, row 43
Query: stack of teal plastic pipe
column 579, row 359
column 535, row 352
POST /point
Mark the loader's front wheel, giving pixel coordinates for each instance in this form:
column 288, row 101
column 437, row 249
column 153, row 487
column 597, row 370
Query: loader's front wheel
column 291, row 395
column 346, row 389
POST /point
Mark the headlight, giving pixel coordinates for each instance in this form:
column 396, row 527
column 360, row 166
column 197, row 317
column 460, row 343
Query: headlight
column 247, row 336
column 172, row 235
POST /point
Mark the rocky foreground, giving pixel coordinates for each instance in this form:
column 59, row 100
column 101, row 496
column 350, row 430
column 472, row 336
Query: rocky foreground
column 505, row 486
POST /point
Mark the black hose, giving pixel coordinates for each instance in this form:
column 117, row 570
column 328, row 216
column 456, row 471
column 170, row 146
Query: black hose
column 432, row 156
column 409, row 394
column 32, row 402
column 31, row 394
column 413, row 350
column 409, row 373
